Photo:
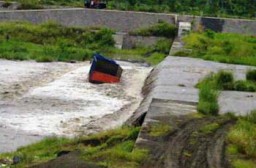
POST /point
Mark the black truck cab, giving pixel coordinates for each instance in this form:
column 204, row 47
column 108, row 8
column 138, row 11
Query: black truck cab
column 96, row 4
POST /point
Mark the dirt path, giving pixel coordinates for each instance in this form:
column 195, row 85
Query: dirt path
column 195, row 143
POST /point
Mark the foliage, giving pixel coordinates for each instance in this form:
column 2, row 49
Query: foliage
column 30, row 4
column 251, row 75
column 222, row 47
column 242, row 144
column 210, row 86
column 208, row 96
column 162, row 29
column 112, row 148
column 241, row 85
column 241, row 8
column 51, row 41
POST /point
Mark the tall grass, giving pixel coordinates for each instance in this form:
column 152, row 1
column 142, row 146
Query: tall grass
column 242, row 141
column 222, row 47
column 208, row 96
column 51, row 42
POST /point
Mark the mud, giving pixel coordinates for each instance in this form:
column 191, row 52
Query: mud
column 187, row 146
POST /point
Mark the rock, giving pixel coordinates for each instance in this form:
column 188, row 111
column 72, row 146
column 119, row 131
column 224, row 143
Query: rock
column 16, row 160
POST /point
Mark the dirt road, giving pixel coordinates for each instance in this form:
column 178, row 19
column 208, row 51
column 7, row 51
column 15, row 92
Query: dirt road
column 196, row 142
column 45, row 99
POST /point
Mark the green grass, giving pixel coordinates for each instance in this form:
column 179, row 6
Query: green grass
column 153, row 54
column 211, row 85
column 210, row 128
column 244, row 164
column 251, row 75
column 241, row 142
column 221, row 47
column 159, row 130
column 208, row 96
column 161, row 29
column 113, row 148
column 52, row 42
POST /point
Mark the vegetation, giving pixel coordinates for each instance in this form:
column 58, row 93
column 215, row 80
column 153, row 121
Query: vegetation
column 152, row 54
column 52, row 42
column 162, row 29
column 241, row 8
column 111, row 148
column 210, row 86
column 159, row 129
column 242, row 144
column 210, row 128
column 221, row 47
column 208, row 96
column 251, row 75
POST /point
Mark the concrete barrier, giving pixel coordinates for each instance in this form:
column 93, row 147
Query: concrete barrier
column 126, row 21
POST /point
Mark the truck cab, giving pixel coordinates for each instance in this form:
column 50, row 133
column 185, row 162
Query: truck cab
column 96, row 4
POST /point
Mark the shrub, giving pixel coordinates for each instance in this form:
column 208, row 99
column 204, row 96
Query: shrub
column 29, row 4
column 244, row 86
column 163, row 46
column 224, row 78
column 162, row 29
column 208, row 97
column 251, row 75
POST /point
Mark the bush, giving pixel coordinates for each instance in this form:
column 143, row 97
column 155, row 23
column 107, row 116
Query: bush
column 251, row 75
column 244, row 86
column 224, row 78
column 162, row 29
column 163, row 46
column 30, row 4
column 208, row 97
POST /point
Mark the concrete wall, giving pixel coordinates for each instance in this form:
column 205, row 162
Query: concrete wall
column 118, row 20
column 241, row 26
column 126, row 20
column 130, row 41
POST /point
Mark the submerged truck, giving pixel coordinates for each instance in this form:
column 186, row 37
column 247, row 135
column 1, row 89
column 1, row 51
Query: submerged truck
column 104, row 70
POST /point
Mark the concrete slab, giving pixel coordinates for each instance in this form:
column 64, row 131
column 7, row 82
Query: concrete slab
column 175, row 79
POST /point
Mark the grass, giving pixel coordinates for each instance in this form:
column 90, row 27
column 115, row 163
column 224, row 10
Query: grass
column 113, row 148
column 210, row 87
column 251, row 75
column 210, row 128
column 159, row 130
column 242, row 143
column 162, row 29
column 153, row 54
column 221, row 47
column 49, row 42
column 208, row 96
